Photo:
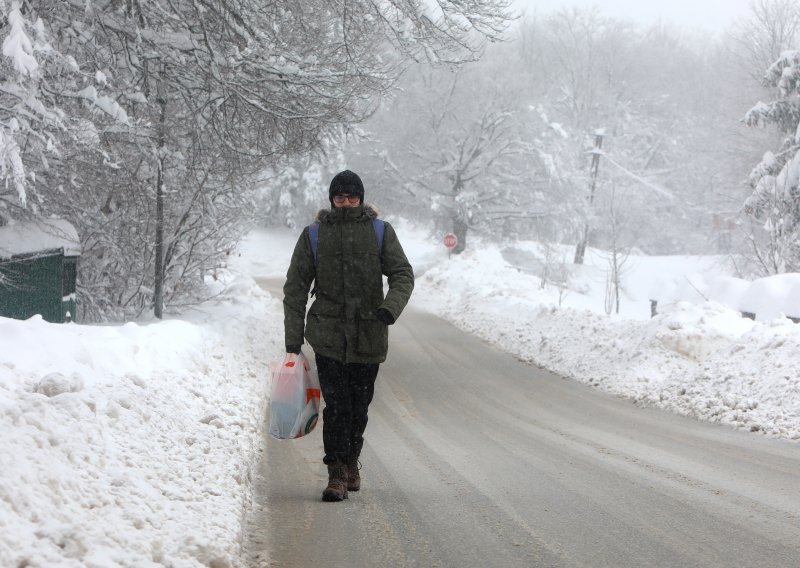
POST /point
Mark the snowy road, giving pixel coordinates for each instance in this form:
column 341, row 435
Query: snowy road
column 474, row 459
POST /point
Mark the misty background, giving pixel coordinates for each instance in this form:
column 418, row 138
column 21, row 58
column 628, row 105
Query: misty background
column 504, row 146
column 164, row 140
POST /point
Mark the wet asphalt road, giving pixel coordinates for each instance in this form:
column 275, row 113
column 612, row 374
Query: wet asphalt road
column 473, row 459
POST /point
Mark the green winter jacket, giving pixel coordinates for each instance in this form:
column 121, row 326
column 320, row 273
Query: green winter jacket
column 341, row 322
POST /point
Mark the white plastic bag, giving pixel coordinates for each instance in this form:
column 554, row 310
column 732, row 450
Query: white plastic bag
column 294, row 406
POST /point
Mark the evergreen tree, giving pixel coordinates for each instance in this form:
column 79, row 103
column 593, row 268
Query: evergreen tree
column 775, row 200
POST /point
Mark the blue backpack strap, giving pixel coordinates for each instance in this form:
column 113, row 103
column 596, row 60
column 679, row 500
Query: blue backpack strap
column 313, row 236
column 378, row 224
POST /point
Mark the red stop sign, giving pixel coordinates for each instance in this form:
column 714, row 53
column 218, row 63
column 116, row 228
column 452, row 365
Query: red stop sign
column 450, row 240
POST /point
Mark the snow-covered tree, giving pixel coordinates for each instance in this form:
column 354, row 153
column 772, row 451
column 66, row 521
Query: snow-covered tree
column 655, row 93
column 775, row 200
column 20, row 70
column 658, row 94
column 771, row 27
column 172, row 108
column 293, row 190
column 30, row 119
column 580, row 81
column 453, row 151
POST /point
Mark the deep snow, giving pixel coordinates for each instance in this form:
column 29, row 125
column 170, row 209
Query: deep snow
column 134, row 445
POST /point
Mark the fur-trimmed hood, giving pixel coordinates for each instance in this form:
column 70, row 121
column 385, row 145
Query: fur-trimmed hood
column 326, row 215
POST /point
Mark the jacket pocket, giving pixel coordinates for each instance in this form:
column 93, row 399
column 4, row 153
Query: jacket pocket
column 322, row 331
column 373, row 335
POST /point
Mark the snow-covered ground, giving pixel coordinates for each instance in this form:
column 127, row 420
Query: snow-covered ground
column 701, row 359
column 134, row 445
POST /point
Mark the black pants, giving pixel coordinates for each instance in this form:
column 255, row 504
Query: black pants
column 347, row 390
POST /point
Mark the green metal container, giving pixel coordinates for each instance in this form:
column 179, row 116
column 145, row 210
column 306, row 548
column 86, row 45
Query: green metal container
column 38, row 281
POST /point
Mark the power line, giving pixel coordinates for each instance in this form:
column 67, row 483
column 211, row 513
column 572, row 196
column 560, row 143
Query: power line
column 657, row 189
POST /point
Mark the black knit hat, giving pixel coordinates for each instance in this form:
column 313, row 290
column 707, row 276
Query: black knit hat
column 346, row 182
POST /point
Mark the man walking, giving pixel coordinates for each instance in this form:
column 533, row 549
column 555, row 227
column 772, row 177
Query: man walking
column 345, row 253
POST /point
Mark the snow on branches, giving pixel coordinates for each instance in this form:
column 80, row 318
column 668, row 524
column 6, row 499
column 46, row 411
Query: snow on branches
column 18, row 52
column 17, row 45
column 146, row 123
column 775, row 200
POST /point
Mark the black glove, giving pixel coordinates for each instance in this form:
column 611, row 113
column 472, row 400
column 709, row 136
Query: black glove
column 384, row 316
column 293, row 348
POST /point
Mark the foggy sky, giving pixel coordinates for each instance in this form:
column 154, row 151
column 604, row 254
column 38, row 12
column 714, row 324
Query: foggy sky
column 711, row 15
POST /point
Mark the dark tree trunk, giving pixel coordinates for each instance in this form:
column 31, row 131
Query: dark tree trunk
column 460, row 231
column 580, row 249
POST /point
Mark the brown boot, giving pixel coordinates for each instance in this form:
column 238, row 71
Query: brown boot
column 353, row 477
column 337, row 483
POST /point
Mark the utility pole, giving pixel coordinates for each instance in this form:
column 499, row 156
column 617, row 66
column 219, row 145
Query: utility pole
column 158, row 288
column 580, row 250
